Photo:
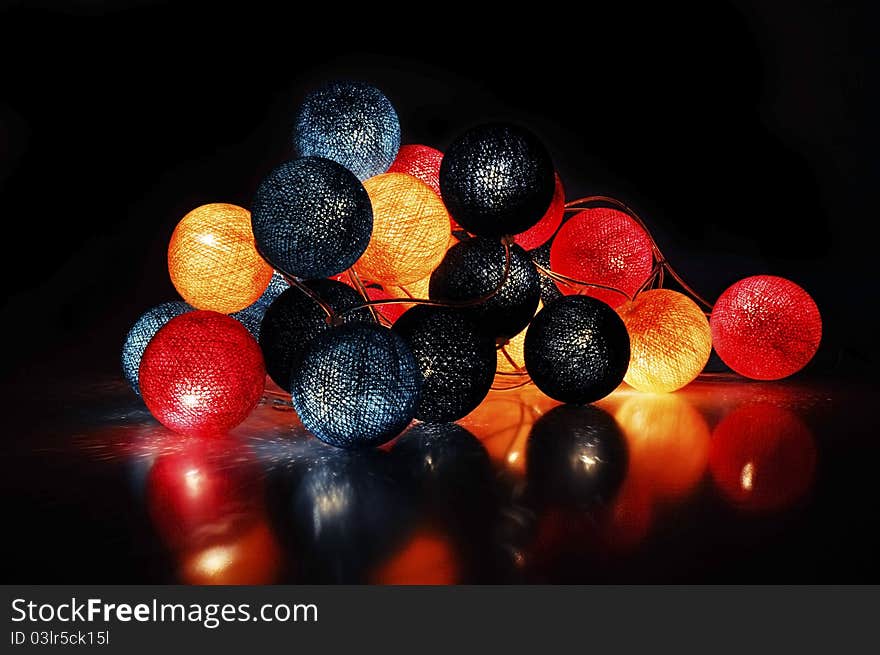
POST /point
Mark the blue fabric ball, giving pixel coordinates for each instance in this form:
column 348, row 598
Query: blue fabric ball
column 252, row 316
column 311, row 218
column 351, row 123
column 140, row 334
column 355, row 386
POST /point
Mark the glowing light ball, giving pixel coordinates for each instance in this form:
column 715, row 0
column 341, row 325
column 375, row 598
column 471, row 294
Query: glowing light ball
column 418, row 289
column 670, row 340
column 576, row 456
column 252, row 316
column 355, row 386
column 410, row 230
column 602, row 246
column 351, row 123
column 456, row 361
column 762, row 458
column 422, row 162
column 577, row 349
column 473, row 269
column 496, row 180
column 250, row 557
column 766, row 327
column 426, row 558
column 312, row 218
column 140, row 334
column 390, row 312
column 544, row 229
column 294, row 319
column 212, row 260
column 202, row 373
column 541, row 256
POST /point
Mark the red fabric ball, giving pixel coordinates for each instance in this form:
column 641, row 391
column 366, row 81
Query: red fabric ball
column 766, row 327
column 602, row 246
column 537, row 235
column 422, row 162
column 202, row 374
column 392, row 311
column 762, row 457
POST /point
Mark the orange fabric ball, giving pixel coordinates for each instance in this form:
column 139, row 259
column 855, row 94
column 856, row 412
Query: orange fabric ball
column 670, row 340
column 213, row 262
column 410, row 230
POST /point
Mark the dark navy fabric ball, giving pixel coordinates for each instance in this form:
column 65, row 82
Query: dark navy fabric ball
column 456, row 359
column 311, row 218
column 497, row 179
column 252, row 316
column 353, row 124
column 474, row 268
column 577, row 349
column 356, row 385
column 140, row 334
column 294, row 319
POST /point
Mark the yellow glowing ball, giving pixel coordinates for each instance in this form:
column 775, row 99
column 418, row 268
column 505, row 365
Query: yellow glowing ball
column 417, row 289
column 213, row 262
column 670, row 340
column 410, row 230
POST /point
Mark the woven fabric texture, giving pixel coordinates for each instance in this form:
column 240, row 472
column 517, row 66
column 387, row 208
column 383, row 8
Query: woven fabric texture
column 576, row 457
column 766, row 327
column 252, row 316
column 212, row 260
column 140, row 334
column 474, row 268
column 496, row 180
column 544, row 229
column 410, row 230
column 312, row 218
column 455, row 358
column 577, row 349
column 602, row 246
column 422, row 162
column 356, row 385
column 549, row 290
column 294, row 319
column 202, row 373
column 353, row 124
column 670, row 340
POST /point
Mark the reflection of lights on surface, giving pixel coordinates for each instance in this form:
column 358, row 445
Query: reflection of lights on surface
column 745, row 479
column 212, row 561
column 194, row 480
column 512, row 457
column 428, row 558
column 329, row 506
column 589, row 461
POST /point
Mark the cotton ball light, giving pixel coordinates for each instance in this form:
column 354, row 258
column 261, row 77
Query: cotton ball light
column 475, row 268
column 351, row 123
column 212, row 260
column 312, row 218
column 541, row 257
column 356, row 385
column 202, row 374
column 140, row 334
column 422, row 162
column 456, row 360
column 670, row 340
column 497, row 179
column 410, row 230
column 252, row 316
column 766, row 327
column 294, row 319
column 602, row 246
column 577, row 349
column 544, row 229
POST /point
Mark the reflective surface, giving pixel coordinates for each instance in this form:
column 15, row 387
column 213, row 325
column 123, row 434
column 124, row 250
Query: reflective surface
column 723, row 481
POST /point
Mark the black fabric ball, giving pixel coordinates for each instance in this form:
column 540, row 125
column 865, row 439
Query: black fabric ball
column 497, row 179
column 575, row 456
column 311, row 218
column 474, row 268
column 252, row 316
column 293, row 320
column 549, row 290
column 356, row 385
column 456, row 359
column 577, row 349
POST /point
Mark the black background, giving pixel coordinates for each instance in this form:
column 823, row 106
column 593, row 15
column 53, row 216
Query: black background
column 743, row 132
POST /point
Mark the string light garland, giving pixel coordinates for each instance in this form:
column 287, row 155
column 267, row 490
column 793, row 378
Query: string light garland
column 202, row 373
column 351, row 123
column 766, row 327
column 410, row 230
column 141, row 333
column 670, row 340
column 312, row 218
column 212, row 260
